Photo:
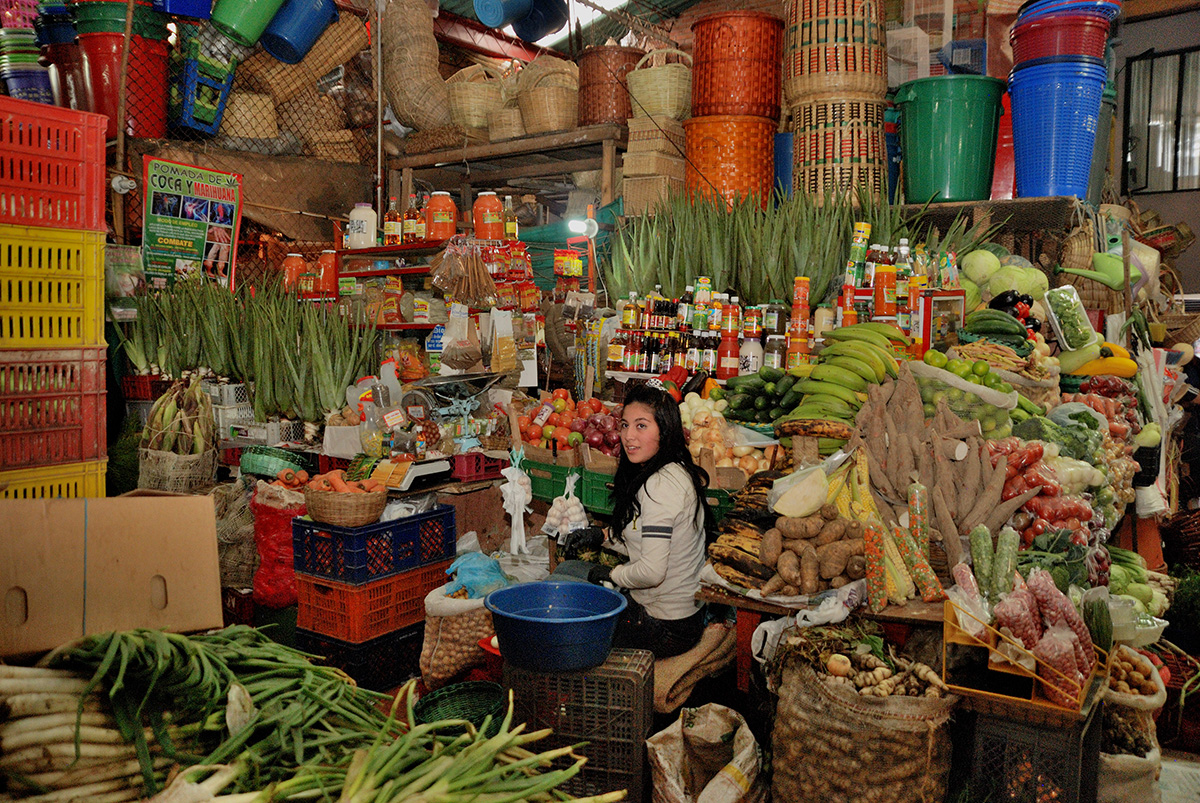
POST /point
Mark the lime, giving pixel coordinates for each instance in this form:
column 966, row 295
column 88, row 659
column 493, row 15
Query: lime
column 987, row 424
column 974, row 379
column 954, row 395
column 935, row 358
column 981, row 368
column 992, row 381
column 938, row 395
column 1005, row 387
column 927, row 392
column 929, row 410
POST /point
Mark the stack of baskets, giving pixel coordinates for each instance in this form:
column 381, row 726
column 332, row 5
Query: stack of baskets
column 475, row 92
column 735, row 102
column 834, row 81
column 660, row 95
column 548, row 95
column 1057, row 85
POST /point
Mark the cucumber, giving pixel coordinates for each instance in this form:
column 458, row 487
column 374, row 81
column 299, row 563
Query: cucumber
column 762, row 401
column 769, row 389
column 762, row 417
column 777, row 413
column 785, row 384
column 769, row 374
column 745, row 383
column 1098, row 619
column 1031, row 407
column 740, row 401
column 790, row 399
column 716, row 394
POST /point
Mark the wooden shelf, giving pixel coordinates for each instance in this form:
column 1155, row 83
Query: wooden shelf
column 385, row 251
column 415, row 270
column 396, row 327
column 1023, row 214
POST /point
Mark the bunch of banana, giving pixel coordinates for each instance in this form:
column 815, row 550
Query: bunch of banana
column 854, row 358
column 181, row 421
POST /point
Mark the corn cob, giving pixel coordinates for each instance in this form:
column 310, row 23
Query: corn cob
column 891, row 552
column 877, row 576
column 926, row 581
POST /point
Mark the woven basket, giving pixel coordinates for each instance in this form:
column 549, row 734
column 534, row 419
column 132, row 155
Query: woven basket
column 652, row 163
column 505, row 123
column 548, row 71
column 344, row 509
column 662, row 89
column 850, row 128
column 334, row 146
column 733, row 153
column 642, row 194
column 249, row 115
column 736, row 68
column 310, row 111
column 337, row 45
column 411, row 81
column 838, row 47
column 268, row 461
column 473, row 96
column 603, row 94
column 547, row 107
column 658, row 133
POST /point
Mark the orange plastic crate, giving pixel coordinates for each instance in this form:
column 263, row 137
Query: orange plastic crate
column 358, row 613
column 51, row 166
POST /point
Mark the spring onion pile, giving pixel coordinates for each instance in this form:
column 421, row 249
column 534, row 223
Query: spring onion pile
column 265, row 337
column 235, row 717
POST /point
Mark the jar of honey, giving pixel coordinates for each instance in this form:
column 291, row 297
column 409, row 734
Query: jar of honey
column 327, row 274
column 293, row 265
column 441, row 216
column 488, row 214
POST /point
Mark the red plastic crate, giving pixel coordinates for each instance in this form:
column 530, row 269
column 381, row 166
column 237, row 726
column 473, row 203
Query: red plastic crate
column 52, row 407
column 325, row 463
column 144, row 388
column 358, row 613
column 51, row 166
column 237, row 606
column 473, row 466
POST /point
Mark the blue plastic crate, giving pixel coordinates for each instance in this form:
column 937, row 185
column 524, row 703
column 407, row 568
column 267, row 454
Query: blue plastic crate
column 362, row 554
column 187, row 110
column 964, row 57
column 380, row 664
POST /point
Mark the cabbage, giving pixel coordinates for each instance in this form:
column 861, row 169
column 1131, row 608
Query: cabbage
column 1030, row 281
column 974, row 294
column 979, row 265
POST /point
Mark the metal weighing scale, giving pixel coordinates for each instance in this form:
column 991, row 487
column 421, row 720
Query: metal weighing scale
column 439, row 399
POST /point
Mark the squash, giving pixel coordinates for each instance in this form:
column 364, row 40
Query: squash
column 804, row 495
column 1108, row 366
column 1114, row 350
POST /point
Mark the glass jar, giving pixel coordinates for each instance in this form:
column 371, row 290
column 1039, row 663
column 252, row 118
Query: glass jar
column 293, row 265
column 752, row 322
column 822, row 321
column 441, row 216
column 776, row 316
column 327, row 274
column 728, row 357
column 775, row 352
column 488, row 215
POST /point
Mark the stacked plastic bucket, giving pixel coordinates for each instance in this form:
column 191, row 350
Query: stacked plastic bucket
column 23, row 76
column 54, row 29
column 1057, row 84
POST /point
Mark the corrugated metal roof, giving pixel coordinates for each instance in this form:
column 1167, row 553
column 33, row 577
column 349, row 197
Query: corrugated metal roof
column 603, row 27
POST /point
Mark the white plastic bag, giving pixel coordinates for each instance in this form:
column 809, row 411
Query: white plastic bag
column 707, row 755
column 517, row 493
column 566, row 512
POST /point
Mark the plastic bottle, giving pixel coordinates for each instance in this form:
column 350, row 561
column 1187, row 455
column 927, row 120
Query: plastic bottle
column 630, row 317
column 731, row 317
column 750, row 355
column 716, row 312
column 408, row 226
column 327, row 274
column 822, row 321
column 798, row 349
column 858, row 251
column 488, row 216
column 728, row 357
column 360, row 229
column 683, row 310
column 441, row 216
column 422, row 229
column 370, row 431
column 393, row 224
column 616, row 351
column 885, row 291
column 691, row 359
column 708, row 353
column 509, row 216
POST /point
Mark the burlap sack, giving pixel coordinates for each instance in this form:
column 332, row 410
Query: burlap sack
column 411, row 81
column 177, row 473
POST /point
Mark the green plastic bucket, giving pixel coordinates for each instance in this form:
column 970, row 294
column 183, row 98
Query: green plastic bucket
column 244, row 21
column 948, row 129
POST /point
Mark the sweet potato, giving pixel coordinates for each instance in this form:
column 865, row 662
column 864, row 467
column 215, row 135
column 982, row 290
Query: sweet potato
column 839, row 581
column 854, row 529
column 810, row 570
column 832, row 531
column 792, row 528
column 771, row 547
column 789, row 591
column 833, row 557
column 773, row 585
column 829, row 512
column 856, row 567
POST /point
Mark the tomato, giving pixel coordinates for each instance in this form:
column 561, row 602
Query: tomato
column 570, row 404
column 561, row 393
column 554, row 420
column 523, row 422
column 560, row 405
column 533, row 432
column 548, row 431
column 561, row 434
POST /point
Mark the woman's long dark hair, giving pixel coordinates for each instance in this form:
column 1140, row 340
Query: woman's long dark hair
column 672, row 448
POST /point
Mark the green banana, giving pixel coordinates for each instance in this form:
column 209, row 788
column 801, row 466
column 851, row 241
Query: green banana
column 854, row 333
column 839, row 376
column 807, row 386
column 856, row 366
column 823, row 406
column 887, row 330
column 859, row 351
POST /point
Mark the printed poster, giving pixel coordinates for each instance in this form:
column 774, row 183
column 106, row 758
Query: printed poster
column 191, row 221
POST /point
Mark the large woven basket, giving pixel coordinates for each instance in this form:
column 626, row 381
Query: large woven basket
column 505, row 124
column 310, row 111
column 344, row 509
column 736, row 67
column 658, row 133
column 642, row 194
column 475, row 91
column 334, row 146
column 603, row 94
column 834, row 47
column 337, row 45
column 838, row 145
column 661, row 89
column 547, row 106
column 248, row 114
column 653, row 163
column 731, row 155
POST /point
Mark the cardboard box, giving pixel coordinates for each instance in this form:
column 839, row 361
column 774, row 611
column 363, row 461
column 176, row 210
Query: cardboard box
column 71, row 567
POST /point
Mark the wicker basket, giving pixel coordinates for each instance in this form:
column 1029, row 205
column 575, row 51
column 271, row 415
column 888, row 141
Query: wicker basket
column 548, row 71
column 268, row 461
column 547, row 106
column 662, row 89
column 834, row 47
column 505, row 124
column 843, row 128
column 249, row 115
column 310, row 111
column 603, row 94
column 736, row 68
column 473, row 96
column 652, row 163
column 733, row 154
column 344, row 509
column 337, row 45
column 334, row 146
column 658, row 133
column 642, row 194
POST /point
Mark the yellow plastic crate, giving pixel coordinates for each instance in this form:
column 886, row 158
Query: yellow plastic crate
column 67, row 481
column 51, row 287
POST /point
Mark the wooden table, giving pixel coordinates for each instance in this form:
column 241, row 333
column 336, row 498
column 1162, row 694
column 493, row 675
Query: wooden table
column 750, row 613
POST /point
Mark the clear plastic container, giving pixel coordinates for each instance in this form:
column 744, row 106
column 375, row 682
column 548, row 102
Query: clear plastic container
column 360, row 229
column 1069, row 319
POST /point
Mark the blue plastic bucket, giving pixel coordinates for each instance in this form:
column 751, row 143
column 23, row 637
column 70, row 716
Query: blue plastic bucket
column 783, row 163
column 297, row 27
column 1056, row 109
column 555, row 626
column 196, row 9
column 498, row 13
column 28, row 83
column 1048, row 8
column 544, row 18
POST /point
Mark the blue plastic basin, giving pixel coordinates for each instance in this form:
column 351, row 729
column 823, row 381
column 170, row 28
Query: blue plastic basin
column 296, row 27
column 555, row 626
column 544, row 18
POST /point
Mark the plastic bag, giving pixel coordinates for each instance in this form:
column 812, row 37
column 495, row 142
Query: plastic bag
column 1062, row 682
column 517, row 493
column 453, row 630
column 707, row 754
column 477, row 574
column 967, row 400
column 566, row 513
column 275, row 580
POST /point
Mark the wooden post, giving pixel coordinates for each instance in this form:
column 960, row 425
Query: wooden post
column 608, row 171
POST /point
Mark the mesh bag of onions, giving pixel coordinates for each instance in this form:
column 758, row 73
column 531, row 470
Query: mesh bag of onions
column 453, row 630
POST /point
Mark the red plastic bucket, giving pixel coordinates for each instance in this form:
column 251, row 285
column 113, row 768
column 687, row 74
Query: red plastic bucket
column 145, row 90
column 1059, row 36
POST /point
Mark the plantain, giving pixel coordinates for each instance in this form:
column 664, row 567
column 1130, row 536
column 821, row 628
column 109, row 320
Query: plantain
column 814, row 428
column 736, row 577
column 739, row 560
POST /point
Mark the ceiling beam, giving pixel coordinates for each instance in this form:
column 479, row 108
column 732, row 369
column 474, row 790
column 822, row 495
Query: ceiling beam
column 472, row 35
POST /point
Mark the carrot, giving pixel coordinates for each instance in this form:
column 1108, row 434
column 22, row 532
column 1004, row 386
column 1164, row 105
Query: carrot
column 287, row 476
column 302, row 477
column 320, row 483
column 338, row 480
column 372, row 485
